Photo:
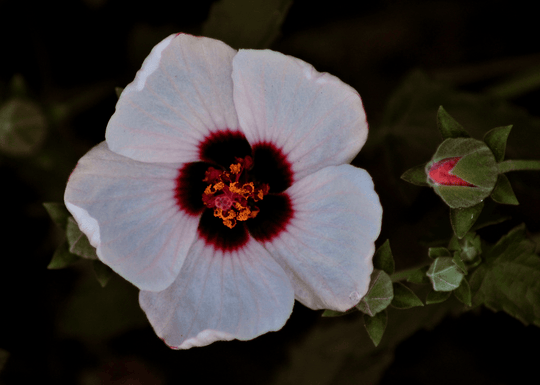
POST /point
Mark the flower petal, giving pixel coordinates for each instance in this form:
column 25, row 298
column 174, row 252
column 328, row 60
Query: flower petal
column 328, row 246
column 221, row 296
column 129, row 212
column 316, row 119
column 182, row 93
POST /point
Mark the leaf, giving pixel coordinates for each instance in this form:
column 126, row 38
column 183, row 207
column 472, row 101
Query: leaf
column 509, row 279
column 118, row 91
column 463, row 293
column 462, row 219
column 503, row 193
column 333, row 313
column 496, row 141
column 246, row 23
column 416, row 175
column 444, row 274
column 22, row 127
column 4, row 355
column 376, row 326
column 436, row 252
column 448, row 126
column 459, row 262
column 58, row 213
column 103, row 272
column 419, row 276
column 437, row 297
column 379, row 295
column 383, row 259
column 62, row 257
column 404, row 298
column 78, row 241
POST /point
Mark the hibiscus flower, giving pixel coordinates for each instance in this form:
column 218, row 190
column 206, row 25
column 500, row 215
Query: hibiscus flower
column 223, row 191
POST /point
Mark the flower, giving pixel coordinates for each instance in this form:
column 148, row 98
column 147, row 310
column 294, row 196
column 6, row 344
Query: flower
column 222, row 191
column 441, row 173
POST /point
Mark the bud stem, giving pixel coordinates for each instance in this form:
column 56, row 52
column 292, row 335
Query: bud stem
column 519, row 165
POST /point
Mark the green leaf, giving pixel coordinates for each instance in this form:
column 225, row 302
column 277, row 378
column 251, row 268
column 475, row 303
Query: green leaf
column 462, row 219
column 103, row 272
column 419, row 276
column 58, row 213
column 118, row 91
column 496, row 141
column 78, row 241
column 62, row 257
column 448, row 126
column 379, row 295
column 503, row 193
column 376, row 326
column 246, row 23
column 444, row 274
column 416, row 175
column 436, row 252
column 333, row 313
column 383, row 259
column 509, row 278
column 434, row 297
column 22, row 127
column 463, row 293
column 459, row 262
column 404, row 298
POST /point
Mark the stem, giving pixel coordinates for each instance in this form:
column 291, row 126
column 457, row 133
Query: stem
column 404, row 274
column 518, row 165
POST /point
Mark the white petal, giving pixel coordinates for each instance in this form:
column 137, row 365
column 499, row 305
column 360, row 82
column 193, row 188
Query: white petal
column 219, row 296
column 328, row 246
column 129, row 213
column 182, row 93
column 316, row 119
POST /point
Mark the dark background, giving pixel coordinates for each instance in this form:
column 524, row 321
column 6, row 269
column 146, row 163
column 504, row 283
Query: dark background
column 60, row 327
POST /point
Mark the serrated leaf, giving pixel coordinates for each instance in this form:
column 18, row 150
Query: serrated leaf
column 444, row 274
column 246, row 23
column 448, row 126
column 379, row 295
column 376, row 326
column 434, row 297
column 416, row 175
column 503, row 193
column 459, row 262
column 78, row 241
column 333, row 313
column 22, row 127
column 103, row 272
column 463, row 219
column 58, row 213
column 496, row 140
column 436, row 252
column 404, row 298
column 383, row 258
column 62, row 257
column 463, row 293
column 509, row 279
column 419, row 276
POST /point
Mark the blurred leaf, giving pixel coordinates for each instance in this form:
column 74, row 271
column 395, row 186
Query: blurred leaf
column 246, row 23
column 62, row 257
column 463, row 293
column 503, row 193
column 4, row 355
column 496, row 140
column 416, row 175
column 333, row 313
column 379, row 295
column 459, row 262
column 78, row 241
column 118, row 91
column 58, row 213
column 448, row 126
column 462, row 219
column 404, row 298
column 437, row 297
column 383, row 259
column 444, row 274
column 436, row 252
column 103, row 272
column 509, row 278
column 22, row 127
column 419, row 275
column 376, row 326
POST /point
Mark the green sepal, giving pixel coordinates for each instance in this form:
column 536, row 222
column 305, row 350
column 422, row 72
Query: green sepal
column 404, row 298
column 416, row 175
column 436, row 252
column 333, row 313
column 383, row 258
column 469, row 248
column 434, row 297
column 496, row 141
column 444, row 274
column 419, row 276
column 459, row 262
column 376, row 326
column 62, row 257
column 78, row 241
column 503, row 193
column 463, row 293
column 448, row 126
column 118, row 91
column 58, row 213
column 462, row 219
column 103, row 272
column 379, row 295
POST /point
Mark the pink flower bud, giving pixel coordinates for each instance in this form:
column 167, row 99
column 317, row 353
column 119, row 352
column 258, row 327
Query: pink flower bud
column 440, row 173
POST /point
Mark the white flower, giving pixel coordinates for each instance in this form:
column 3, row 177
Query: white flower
column 223, row 192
